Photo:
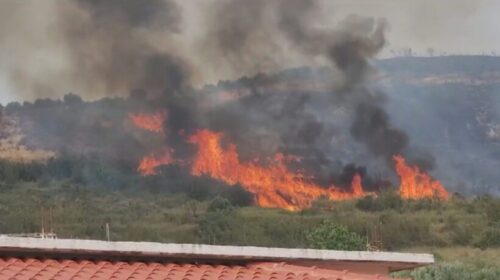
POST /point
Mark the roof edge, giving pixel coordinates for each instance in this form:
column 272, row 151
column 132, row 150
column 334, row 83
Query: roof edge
column 140, row 250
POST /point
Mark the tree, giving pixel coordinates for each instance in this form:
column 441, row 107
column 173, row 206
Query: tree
column 12, row 107
column 72, row 99
column 220, row 204
column 334, row 237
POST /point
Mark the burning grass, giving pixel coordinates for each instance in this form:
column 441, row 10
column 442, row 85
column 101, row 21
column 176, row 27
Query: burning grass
column 150, row 122
column 273, row 184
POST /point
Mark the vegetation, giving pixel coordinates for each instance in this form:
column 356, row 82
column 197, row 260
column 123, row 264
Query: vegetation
column 93, row 181
column 77, row 196
column 334, row 237
column 453, row 270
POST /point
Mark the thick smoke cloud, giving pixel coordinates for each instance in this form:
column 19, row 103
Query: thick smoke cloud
column 108, row 44
column 111, row 41
column 348, row 47
column 372, row 127
column 96, row 48
column 113, row 47
column 240, row 37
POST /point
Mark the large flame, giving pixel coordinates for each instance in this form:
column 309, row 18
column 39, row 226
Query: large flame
column 154, row 123
column 150, row 122
column 274, row 185
column 148, row 164
column 416, row 184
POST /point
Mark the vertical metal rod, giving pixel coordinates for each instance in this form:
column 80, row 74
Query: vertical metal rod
column 107, row 231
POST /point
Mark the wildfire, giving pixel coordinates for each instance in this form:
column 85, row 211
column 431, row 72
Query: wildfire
column 148, row 164
column 356, row 186
column 416, row 184
column 274, row 185
column 150, row 122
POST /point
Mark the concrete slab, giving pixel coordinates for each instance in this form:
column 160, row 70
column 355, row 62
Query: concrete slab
column 97, row 249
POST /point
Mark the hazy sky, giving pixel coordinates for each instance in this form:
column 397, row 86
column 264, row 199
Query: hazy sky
column 454, row 26
column 451, row 26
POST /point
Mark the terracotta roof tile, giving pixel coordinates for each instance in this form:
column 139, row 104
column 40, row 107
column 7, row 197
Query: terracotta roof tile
column 20, row 269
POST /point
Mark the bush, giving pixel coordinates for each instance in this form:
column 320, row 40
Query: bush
column 450, row 271
column 492, row 209
column 390, row 200
column 216, row 226
column 220, row 204
column 369, row 204
column 490, row 238
column 405, row 230
column 334, row 237
column 238, row 196
column 385, row 200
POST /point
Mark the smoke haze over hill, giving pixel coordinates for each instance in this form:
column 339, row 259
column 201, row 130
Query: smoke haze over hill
column 339, row 115
column 52, row 39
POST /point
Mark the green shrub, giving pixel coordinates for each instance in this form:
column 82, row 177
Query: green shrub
column 385, row 200
column 216, row 226
column 390, row 199
column 334, row 237
column 220, row 204
column 490, row 238
column 368, row 204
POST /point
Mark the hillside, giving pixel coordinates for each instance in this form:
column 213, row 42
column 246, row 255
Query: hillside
column 449, row 106
column 441, row 65
column 446, row 106
column 71, row 166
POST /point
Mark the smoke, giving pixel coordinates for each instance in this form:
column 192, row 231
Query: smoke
column 349, row 46
column 97, row 47
column 240, row 37
column 108, row 44
column 236, row 32
column 251, row 37
column 372, row 127
column 117, row 46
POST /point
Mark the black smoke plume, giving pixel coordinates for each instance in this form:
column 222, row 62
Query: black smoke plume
column 117, row 46
column 372, row 127
column 108, row 44
column 299, row 126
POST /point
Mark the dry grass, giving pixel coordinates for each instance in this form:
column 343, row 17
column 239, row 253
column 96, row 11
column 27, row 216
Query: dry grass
column 490, row 256
column 12, row 148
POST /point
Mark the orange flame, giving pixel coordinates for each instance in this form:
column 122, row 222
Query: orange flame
column 150, row 122
column 148, row 164
column 415, row 184
column 356, row 186
column 273, row 186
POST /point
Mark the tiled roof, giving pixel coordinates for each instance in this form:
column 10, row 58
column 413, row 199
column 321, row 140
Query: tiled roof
column 37, row 269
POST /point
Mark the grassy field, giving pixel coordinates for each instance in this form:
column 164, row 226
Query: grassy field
column 154, row 215
column 488, row 256
column 463, row 234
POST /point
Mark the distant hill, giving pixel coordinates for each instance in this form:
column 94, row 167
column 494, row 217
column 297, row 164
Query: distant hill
column 449, row 106
column 471, row 65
